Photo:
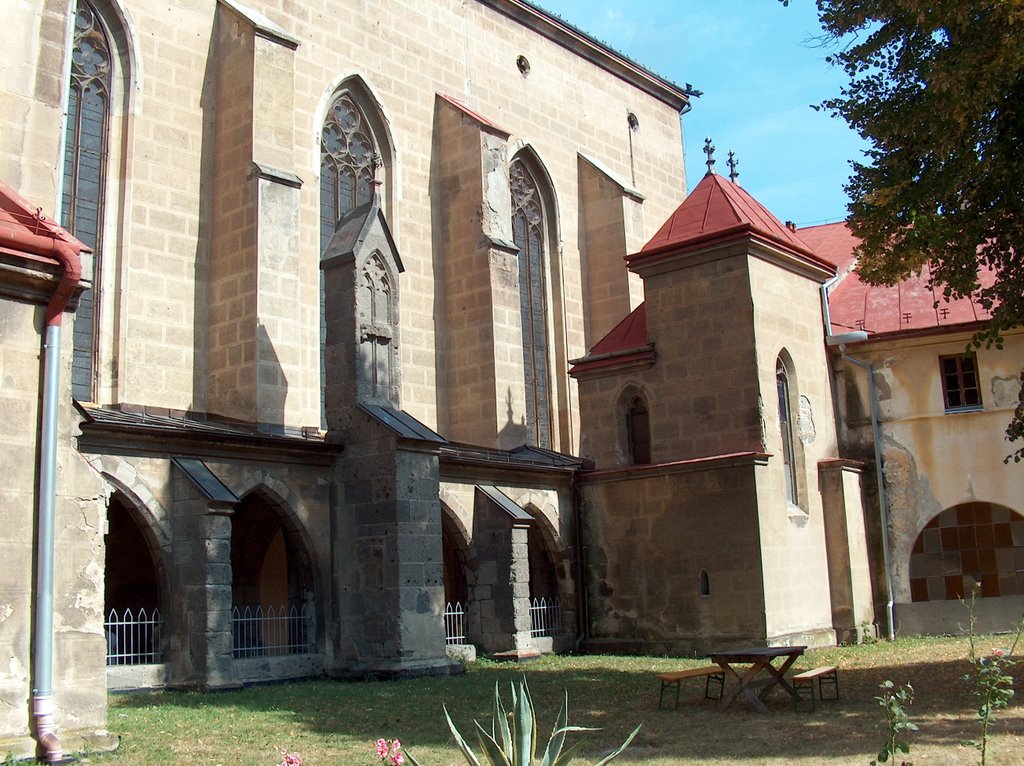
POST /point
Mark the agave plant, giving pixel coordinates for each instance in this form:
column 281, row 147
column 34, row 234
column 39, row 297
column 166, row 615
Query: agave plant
column 512, row 740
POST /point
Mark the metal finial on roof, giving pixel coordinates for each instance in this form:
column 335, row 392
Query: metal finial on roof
column 733, row 163
column 709, row 150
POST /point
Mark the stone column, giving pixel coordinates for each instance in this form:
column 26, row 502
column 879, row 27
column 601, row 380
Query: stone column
column 846, row 545
column 200, row 644
column 500, row 597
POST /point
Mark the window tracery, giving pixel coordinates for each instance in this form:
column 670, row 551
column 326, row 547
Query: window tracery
column 528, row 230
column 85, row 161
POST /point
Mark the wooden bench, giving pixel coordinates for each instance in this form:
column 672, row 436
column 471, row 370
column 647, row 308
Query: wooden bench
column 713, row 673
column 808, row 679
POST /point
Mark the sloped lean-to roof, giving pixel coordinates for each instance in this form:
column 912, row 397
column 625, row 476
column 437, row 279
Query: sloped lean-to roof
column 626, row 344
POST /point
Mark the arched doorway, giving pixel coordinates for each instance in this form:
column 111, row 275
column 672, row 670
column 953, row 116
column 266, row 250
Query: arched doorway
column 545, row 601
column 272, row 585
column 969, row 544
column 131, row 595
column 456, row 582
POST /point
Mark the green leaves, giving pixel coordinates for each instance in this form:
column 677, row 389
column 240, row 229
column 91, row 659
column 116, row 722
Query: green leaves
column 935, row 88
column 895, row 701
column 512, row 739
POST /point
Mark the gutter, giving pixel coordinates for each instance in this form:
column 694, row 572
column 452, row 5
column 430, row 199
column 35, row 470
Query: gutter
column 68, row 256
column 841, row 341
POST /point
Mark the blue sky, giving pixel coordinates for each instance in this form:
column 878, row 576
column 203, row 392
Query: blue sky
column 760, row 69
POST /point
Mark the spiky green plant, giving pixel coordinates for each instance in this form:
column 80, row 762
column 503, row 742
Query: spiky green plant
column 512, row 740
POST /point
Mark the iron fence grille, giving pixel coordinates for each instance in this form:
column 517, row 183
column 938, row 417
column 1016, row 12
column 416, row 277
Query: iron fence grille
column 259, row 632
column 454, row 623
column 545, row 616
column 133, row 638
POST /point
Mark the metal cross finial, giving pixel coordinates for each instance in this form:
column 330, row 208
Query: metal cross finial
column 709, row 150
column 733, row 163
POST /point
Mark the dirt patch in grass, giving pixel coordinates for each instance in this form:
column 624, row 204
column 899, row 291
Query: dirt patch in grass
column 336, row 723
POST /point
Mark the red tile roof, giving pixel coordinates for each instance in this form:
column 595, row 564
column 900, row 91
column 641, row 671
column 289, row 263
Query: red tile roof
column 718, row 209
column 907, row 306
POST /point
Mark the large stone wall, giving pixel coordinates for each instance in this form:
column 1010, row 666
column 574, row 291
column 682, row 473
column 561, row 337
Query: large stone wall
column 78, row 642
column 648, row 535
column 174, row 121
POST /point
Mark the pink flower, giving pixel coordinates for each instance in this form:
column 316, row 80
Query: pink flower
column 998, row 652
column 396, row 745
column 382, row 749
column 290, row 759
column 398, row 759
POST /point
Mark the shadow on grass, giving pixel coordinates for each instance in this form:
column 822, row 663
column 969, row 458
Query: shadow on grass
column 614, row 699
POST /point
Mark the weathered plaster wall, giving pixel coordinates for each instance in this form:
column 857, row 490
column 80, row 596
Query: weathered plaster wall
column 933, row 459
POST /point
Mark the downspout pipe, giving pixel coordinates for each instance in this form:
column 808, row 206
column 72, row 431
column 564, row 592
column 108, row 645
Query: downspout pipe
column 876, row 431
column 68, row 256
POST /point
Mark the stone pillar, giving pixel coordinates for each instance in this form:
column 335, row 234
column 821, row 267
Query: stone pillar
column 846, row 545
column 484, row 335
column 500, row 597
column 611, row 216
column 258, row 321
column 389, row 558
column 200, row 642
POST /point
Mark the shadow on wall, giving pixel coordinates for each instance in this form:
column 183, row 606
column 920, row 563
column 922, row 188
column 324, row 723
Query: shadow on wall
column 512, row 434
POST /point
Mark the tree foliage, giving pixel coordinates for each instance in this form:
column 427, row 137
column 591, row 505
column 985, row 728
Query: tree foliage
column 936, row 87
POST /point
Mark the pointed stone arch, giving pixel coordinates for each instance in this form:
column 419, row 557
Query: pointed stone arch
column 123, row 477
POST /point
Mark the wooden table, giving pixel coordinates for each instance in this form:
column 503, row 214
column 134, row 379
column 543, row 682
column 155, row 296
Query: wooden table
column 760, row 661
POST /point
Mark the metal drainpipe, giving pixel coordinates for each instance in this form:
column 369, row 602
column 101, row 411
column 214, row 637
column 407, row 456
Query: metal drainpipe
column 876, row 431
column 67, row 255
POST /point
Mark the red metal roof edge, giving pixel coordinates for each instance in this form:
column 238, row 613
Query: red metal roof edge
column 21, row 214
column 645, row 257
column 922, row 332
column 472, row 114
column 727, row 460
column 644, row 356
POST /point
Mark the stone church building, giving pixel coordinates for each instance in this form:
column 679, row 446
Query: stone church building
column 348, row 339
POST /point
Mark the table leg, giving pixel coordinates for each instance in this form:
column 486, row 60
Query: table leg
column 743, row 686
column 779, row 674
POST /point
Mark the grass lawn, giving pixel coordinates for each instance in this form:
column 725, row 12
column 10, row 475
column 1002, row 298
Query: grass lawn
column 336, row 723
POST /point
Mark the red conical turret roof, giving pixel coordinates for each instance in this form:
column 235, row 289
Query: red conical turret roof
column 718, row 209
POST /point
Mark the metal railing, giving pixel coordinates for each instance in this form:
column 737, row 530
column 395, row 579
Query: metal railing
column 454, row 623
column 133, row 638
column 545, row 616
column 259, row 632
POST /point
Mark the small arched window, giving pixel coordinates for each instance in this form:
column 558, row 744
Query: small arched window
column 787, row 433
column 85, row 165
column 638, row 432
column 530, row 235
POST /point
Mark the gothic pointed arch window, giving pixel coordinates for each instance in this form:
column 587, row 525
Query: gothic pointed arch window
column 529, row 231
column 790, row 458
column 350, row 156
column 85, row 166
column 638, row 432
